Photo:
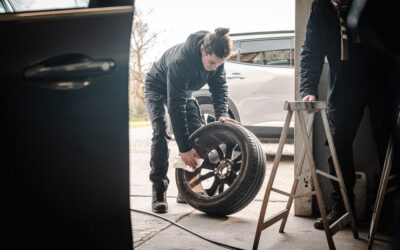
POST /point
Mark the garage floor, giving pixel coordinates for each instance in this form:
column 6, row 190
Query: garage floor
column 238, row 229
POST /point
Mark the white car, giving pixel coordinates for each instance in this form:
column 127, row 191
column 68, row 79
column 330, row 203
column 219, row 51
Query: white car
column 260, row 78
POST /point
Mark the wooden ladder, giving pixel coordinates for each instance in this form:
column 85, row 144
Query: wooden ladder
column 387, row 166
column 300, row 107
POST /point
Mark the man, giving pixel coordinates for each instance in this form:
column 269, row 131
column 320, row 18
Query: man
column 356, row 75
column 182, row 69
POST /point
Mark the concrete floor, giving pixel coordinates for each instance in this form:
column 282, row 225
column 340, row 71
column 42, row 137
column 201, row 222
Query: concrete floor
column 237, row 229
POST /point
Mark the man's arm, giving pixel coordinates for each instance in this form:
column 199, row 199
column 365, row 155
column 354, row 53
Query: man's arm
column 312, row 55
column 219, row 93
column 178, row 77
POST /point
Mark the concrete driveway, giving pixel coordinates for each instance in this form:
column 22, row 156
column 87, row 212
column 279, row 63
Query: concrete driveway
column 237, row 229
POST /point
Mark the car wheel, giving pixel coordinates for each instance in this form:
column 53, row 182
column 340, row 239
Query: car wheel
column 207, row 112
column 232, row 172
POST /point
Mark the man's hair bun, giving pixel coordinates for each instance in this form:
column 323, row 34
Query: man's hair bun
column 218, row 43
column 220, row 32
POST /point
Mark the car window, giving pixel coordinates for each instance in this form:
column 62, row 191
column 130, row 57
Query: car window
column 37, row 5
column 270, row 58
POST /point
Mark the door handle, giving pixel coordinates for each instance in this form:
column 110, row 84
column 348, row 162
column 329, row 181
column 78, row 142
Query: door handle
column 235, row 75
column 70, row 71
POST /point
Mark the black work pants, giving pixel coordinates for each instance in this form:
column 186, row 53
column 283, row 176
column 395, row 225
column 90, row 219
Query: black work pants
column 156, row 108
column 344, row 119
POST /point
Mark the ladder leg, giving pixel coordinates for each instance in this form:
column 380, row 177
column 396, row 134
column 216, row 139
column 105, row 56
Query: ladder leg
column 299, row 169
column 338, row 172
column 381, row 193
column 315, row 181
column 271, row 179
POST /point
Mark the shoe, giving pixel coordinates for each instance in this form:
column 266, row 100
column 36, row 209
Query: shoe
column 180, row 199
column 333, row 216
column 159, row 202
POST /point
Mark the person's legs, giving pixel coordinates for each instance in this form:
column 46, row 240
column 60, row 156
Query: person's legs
column 159, row 150
column 344, row 120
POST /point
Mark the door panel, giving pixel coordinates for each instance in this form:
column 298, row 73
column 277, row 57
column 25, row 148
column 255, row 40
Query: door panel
column 67, row 151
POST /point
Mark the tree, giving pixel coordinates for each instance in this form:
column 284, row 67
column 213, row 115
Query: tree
column 141, row 41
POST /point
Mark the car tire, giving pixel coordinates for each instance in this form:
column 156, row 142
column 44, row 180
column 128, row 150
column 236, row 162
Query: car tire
column 207, row 113
column 231, row 174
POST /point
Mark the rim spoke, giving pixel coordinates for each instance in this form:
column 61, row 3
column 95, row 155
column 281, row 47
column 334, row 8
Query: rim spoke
column 237, row 162
column 220, row 153
column 229, row 150
column 206, row 176
column 221, row 187
column 207, row 164
column 211, row 191
column 236, row 167
column 231, row 178
column 205, row 117
column 238, row 158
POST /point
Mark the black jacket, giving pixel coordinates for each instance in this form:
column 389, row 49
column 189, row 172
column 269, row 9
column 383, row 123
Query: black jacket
column 349, row 80
column 179, row 72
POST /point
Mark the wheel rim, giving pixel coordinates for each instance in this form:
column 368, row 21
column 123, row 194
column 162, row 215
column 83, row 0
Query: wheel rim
column 220, row 169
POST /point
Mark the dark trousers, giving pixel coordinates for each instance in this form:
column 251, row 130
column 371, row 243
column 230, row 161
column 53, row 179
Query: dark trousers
column 156, row 108
column 344, row 120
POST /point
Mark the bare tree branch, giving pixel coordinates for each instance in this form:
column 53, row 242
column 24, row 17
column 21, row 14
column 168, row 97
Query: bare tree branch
column 142, row 40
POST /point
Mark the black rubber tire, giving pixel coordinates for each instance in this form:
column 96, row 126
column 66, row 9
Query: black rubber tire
column 243, row 153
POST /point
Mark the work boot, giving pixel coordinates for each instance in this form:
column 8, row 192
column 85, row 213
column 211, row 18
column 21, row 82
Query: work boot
column 180, row 199
column 159, row 202
column 333, row 216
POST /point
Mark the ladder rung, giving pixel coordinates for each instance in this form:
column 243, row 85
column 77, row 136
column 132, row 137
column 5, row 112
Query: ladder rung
column 305, row 105
column 340, row 223
column 281, row 192
column 273, row 219
column 305, row 194
column 327, row 175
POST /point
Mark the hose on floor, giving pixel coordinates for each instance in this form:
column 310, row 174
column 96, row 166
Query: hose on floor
column 188, row 230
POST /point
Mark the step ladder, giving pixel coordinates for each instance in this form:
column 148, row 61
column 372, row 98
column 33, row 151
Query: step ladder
column 300, row 107
column 385, row 177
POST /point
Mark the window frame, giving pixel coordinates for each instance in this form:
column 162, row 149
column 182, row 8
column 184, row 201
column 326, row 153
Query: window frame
column 240, row 43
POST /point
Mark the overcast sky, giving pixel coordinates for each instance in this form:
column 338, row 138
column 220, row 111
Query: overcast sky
column 176, row 19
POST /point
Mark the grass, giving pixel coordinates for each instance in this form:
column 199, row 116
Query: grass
column 139, row 123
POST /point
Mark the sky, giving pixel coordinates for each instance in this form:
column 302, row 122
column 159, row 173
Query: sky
column 175, row 20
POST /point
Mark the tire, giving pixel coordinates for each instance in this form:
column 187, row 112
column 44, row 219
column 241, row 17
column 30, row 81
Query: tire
column 232, row 157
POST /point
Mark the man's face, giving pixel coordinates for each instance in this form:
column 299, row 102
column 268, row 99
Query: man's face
column 210, row 61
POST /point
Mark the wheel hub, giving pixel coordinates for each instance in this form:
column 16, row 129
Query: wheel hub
column 223, row 169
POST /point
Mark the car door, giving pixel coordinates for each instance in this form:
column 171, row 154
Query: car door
column 64, row 102
column 260, row 79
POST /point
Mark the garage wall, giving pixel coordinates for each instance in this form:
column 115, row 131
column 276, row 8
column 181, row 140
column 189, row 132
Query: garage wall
column 302, row 206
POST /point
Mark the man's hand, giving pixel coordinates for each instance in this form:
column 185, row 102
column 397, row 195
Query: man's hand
column 189, row 158
column 226, row 119
column 310, row 98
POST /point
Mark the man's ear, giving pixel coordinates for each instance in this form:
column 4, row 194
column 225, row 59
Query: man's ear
column 202, row 48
